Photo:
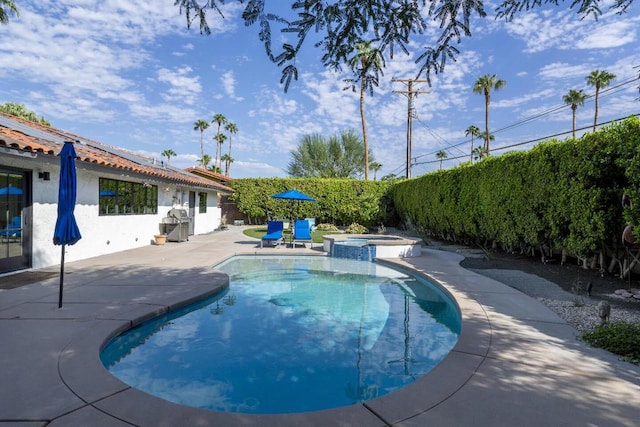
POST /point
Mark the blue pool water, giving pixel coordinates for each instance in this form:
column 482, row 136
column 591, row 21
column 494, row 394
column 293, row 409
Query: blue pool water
column 291, row 334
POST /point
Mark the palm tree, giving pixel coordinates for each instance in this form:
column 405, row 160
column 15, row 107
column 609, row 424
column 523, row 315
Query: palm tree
column 201, row 125
column 441, row 155
column 220, row 119
column 227, row 159
column 484, row 85
column 474, row 131
column 6, row 7
column 204, row 161
column 479, row 153
column 169, row 153
column 375, row 167
column 574, row 98
column 367, row 64
column 220, row 138
column 487, row 137
column 599, row 79
column 231, row 128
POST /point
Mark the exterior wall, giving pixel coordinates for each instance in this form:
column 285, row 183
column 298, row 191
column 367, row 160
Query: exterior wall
column 203, row 222
column 100, row 234
column 210, row 220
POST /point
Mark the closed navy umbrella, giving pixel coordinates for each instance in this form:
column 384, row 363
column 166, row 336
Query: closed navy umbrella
column 66, row 231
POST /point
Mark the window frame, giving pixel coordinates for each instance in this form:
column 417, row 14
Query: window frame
column 118, row 197
column 202, row 202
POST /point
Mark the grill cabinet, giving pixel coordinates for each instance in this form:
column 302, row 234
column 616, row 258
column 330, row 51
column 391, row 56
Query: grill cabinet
column 176, row 225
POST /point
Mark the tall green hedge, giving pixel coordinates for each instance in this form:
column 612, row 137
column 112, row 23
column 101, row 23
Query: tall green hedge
column 560, row 195
column 338, row 201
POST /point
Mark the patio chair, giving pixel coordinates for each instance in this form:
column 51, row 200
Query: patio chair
column 274, row 234
column 301, row 233
column 12, row 230
column 312, row 224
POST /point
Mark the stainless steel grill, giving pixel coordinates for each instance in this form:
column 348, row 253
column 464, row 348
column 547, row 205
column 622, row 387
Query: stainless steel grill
column 176, row 225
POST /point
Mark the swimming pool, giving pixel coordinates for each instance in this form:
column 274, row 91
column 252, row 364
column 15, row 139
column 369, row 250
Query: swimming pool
column 291, row 334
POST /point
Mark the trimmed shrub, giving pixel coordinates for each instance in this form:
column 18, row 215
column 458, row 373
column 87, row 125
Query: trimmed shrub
column 620, row 338
column 326, row 227
column 356, row 228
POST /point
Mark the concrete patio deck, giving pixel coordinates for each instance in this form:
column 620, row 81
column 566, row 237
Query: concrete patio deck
column 516, row 362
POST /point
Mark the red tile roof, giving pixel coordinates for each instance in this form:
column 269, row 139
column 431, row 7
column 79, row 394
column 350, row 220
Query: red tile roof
column 23, row 135
column 206, row 173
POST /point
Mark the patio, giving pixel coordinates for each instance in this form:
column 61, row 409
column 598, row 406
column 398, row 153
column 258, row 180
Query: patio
column 516, row 362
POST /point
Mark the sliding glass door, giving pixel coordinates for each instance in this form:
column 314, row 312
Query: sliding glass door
column 14, row 242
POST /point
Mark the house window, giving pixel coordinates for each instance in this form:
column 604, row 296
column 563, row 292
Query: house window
column 203, row 203
column 127, row 198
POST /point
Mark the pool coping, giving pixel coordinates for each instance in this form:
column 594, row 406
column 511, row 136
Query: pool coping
column 112, row 396
column 116, row 397
column 510, row 347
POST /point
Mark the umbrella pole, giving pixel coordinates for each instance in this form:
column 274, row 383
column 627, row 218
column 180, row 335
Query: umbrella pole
column 61, row 277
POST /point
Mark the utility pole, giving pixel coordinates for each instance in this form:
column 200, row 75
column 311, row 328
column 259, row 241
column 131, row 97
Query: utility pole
column 410, row 92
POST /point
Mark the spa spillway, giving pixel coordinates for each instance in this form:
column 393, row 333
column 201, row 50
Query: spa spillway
column 367, row 247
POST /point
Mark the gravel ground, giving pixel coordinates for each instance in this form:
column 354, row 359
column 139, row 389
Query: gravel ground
column 555, row 285
column 579, row 310
column 584, row 318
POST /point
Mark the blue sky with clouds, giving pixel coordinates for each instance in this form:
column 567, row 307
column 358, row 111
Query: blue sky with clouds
column 130, row 74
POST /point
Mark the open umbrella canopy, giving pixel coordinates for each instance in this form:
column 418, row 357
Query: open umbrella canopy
column 66, row 231
column 293, row 195
column 10, row 191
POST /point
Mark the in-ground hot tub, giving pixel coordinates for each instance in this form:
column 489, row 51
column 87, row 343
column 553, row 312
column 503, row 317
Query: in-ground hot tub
column 367, row 247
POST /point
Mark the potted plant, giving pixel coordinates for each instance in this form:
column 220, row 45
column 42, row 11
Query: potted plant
column 161, row 239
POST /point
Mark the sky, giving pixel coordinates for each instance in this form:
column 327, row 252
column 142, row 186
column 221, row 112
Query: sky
column 132, row 75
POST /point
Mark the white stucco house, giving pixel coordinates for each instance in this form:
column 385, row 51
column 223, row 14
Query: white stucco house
column 123, row 197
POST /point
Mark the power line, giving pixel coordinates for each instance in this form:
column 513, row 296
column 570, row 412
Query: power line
column 530, row 141
column 437, row 136
column 605, row 92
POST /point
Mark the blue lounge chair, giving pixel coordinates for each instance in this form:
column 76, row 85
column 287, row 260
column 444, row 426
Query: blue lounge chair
column 274, row 233
column 301, row 232
column 13, row 230
column 312, row 224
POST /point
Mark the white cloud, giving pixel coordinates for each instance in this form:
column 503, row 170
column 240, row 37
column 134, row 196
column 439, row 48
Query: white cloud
column 555, row 29
column 271, row 103
column 609, row 36
column 560, row 70
column 228, row 82
column 335, row 107
column 162, row 112
column 182, row 88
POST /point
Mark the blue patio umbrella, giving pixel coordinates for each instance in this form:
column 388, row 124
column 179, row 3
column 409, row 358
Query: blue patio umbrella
column 293, row 195
column 10, row 191
column 66, row 231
